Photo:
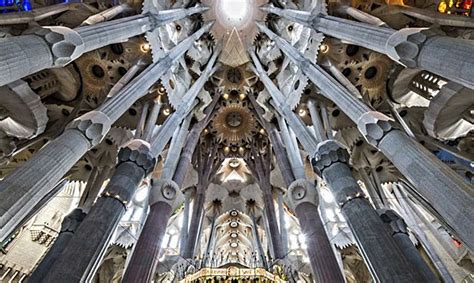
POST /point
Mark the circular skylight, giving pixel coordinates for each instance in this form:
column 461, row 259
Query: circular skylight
column 234, row 13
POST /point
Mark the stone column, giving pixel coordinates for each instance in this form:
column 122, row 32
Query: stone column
column 279, row 103
column 279, row 149
column 281, row 216
column 412, row 47
column 361, row 16
column 165, row 196
column 303, row 198
column 151, row 120
column 188, row 102
column 196, row 215
column 191, row 142
column 256, row 236
column 68, row 227
column 447, row 192
column 443, row 188
column 183, row 236
column 207, row 254
column 28, row 184
column 383, row 257
column 318, row 127
column 292, row 149
column 418, row 227
column 57, row 46
column 398, row 227
column 79, row 260
column 106, row 15
column 35, row 15
column 125, row 79
column 269, row 206
column 174, row 149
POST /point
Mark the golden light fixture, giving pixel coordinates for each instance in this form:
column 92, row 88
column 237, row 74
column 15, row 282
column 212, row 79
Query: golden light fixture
column 302, row 112
column 145, row 47
column 324, row 48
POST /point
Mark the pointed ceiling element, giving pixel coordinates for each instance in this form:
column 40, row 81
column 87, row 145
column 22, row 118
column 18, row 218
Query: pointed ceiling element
column 234, row 53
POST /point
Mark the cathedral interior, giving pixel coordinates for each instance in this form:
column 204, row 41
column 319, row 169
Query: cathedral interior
column 236, row 141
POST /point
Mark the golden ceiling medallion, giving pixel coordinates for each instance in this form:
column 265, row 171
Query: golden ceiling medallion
column 234, row 124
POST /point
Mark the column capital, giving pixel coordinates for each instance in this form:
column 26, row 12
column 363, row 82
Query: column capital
column 94, row 125
column 65, row 43
column 392, row 219
column 327, row 153
column 301, row 191
column 404, row 45
column 138, row 152
column 374, row 126
column 166, row 191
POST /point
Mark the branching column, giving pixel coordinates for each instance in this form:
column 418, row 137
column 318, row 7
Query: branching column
column 447, row 192
column 28, row 184
column 260, row 167
column 57, row 46
column 384, row 258
column 413, row 47
column 331, row 163
column 207, row 166
column 165, row 195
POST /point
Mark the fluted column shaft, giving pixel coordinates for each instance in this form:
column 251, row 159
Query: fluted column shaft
column 258, row 243
column 174, row 149
column 21, row 56
column 323, row 262
column 68, row 227
column 398, row 227
column 51, row 47
column 152, row 238
column 416, row 227
column 57, row 46
column 102, row 34
column 272, row 221
column 283, row 230
column 196, row 215
column 281, row 155
column 79, row 260
column 292, row 150
column 107, row 14
column 35, row 15
column 183, row 236
column 385, row 260
column 318, row 127
column 210, row 241
column 446, row 191
column 165, row 196
column 27, row 185
column 303, row 198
